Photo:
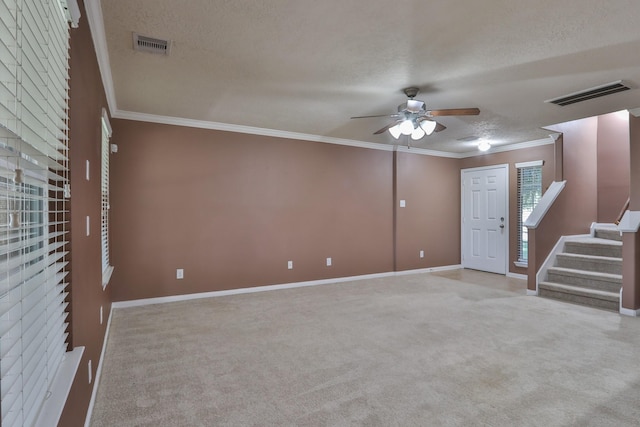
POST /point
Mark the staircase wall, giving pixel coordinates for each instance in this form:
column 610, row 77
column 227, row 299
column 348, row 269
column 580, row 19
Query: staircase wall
column 631, row 240
column 613, row 165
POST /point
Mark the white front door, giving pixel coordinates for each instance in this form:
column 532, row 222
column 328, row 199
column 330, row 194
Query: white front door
column 484, row 218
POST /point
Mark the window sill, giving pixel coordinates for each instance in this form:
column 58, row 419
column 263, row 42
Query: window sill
column 60, row 387
column 521, row 264
column 106, row 276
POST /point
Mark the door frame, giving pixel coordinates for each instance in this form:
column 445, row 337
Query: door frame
column 504, row 166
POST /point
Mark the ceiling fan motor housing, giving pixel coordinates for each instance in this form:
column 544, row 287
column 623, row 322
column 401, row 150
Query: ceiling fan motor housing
column 412, row 106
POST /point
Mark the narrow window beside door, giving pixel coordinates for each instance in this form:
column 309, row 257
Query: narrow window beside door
column 529, row 194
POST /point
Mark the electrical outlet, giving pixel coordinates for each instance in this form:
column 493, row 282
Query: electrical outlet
column 421, row 254
column 179, row 273
column 403, row 203
column 328, row 262
column 290, row 265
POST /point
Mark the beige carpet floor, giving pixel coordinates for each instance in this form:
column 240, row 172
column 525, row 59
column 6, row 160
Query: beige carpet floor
column 458, row 348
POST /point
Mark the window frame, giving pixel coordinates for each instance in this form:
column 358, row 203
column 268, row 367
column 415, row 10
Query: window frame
column 522, row 231
column 107, row 268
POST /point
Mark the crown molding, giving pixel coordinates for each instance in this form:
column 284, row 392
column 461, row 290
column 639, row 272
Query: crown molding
column 203, row 124
column 426, row 152
column 93, row 10
column 635, row 112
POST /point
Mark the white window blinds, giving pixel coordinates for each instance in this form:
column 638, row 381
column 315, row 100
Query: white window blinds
column 107, row 269
column 529, row 189
column 34, row 44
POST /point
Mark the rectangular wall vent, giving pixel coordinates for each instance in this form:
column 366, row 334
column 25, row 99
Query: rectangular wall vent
column 594, row 92
column 151, row 45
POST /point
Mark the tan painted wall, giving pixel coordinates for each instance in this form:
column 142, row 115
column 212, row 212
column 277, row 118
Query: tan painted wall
column 430, row 221
column 231, row 209
column 543, row 152
column 613, row 165
column 578, row 208
column 634, row 155
column 87, row 296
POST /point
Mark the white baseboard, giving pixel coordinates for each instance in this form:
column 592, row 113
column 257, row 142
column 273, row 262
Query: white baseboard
column 517, row 276
column 629, row 312
column 532, row 293
column 427, row 270
column 96, row 380
column 186, row 297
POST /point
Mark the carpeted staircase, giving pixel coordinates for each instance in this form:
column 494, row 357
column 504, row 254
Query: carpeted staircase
column 588, row 271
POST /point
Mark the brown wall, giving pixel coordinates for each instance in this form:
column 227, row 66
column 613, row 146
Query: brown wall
column 543, row 152
column 430, row 221
column 634, row 156
column 613, row 165
column 231, row 209
column 85, row 109
column 578, row 207
column 631, row 241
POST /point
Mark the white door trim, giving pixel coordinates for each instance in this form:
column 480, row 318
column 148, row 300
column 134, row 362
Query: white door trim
column 504, row 166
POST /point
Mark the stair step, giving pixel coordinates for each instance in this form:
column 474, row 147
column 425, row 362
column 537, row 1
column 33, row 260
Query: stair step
column 585, row 279
column 594, row 246
column 589, row 263
column 580, row 295
column 608, row 233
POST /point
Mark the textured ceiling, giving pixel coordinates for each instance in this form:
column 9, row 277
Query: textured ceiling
column 308, row 66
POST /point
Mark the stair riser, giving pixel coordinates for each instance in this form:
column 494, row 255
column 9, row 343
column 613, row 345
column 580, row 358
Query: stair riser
column 579, row 299
column 609, row 234
column 593, row 249
column 602, row 266
column 568, row 279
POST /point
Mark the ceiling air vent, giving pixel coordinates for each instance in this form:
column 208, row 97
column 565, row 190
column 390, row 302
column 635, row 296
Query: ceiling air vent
column 594, row 92
column 151, row 45
column 469, row 138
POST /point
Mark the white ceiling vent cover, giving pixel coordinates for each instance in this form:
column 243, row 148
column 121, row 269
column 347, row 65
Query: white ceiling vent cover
column 594, row 92
column 151, row 45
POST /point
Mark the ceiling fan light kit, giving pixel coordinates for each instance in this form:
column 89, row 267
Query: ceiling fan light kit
column 414, row 119
column 428, row 126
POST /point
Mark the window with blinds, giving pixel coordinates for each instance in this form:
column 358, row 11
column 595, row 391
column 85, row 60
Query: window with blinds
column 107, row 269
column 34, row 44
column 529, row 193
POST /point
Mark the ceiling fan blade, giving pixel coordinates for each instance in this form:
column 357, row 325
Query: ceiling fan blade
column 455, row 112
column 380, row 115
column 386, row 128
column 439, row 127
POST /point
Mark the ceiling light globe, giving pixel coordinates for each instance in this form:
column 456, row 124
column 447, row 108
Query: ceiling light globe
column 395, row 131
column 417, row 133
column 406, row 127
column 484, row 145
column 428, row 126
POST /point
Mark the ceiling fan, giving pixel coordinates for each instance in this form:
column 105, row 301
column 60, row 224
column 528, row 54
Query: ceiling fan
column 414, row 119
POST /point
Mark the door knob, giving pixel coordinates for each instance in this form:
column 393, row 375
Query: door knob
column 501, row 225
